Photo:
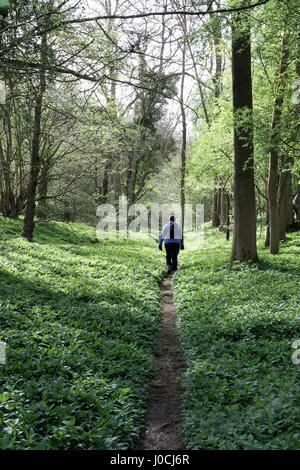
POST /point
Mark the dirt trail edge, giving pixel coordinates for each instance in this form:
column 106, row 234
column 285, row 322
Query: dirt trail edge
column 162, row 429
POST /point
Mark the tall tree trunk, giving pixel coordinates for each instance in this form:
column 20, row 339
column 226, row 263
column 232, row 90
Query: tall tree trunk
column 132, row 174
column 296, row 203
column 105, row 181
column 219, row 204
column 217, row 40
column 223, row 209
column 267, row 240
column 184, row 128
column 227, row 216
column 273, row 180
column 215, row 217
column 43, row 183
column 244, row 238
column 285, row 200
column 42, row 193
column 35, row 151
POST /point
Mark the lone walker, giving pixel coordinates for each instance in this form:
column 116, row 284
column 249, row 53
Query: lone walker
column 172, row 236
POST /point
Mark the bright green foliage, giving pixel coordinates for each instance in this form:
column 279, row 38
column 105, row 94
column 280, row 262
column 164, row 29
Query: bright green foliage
column 80, row 320
column 211, row 155
column 211, row 152
column 5, row 4
column 237, row 324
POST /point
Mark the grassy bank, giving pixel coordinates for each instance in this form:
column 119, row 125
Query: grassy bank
column 237, row 325
column 80, row 319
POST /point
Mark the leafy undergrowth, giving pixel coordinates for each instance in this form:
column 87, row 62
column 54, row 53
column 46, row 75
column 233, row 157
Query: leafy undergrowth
column 237, row 324
column 79, row 319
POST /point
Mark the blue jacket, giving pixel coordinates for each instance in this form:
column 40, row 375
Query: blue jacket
column 171, row 236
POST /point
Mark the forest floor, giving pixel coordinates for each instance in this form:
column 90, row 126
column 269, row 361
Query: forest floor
column 90, row 326
column 237, row 324
column 80, row 320
column 163, row 424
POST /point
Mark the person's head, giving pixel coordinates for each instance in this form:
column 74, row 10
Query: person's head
column 172, row 218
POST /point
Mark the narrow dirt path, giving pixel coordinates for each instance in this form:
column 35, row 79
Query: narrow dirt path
column 162, row 429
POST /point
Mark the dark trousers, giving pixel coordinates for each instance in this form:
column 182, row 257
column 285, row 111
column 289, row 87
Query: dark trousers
column 172, row 250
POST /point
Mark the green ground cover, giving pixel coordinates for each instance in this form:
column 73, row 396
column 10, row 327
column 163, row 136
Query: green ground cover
column 237, row 324
column 80, row 319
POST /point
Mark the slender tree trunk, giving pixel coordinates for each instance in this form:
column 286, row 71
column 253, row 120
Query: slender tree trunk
column 296, row 203
column 202, row 96
column 7, row 167
column 219, row 204
column 244, row 238
column 273, row 203
column 285, row 198
column 42, row 196
column 267, row 240
column 295, row 138
column 35, row 152
column 227, row 216
column 273, row 180
column 184, row 129
column 217, row 39
column 43, row 184
column 223, row 214
column 215, row 217
column 105, row 181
